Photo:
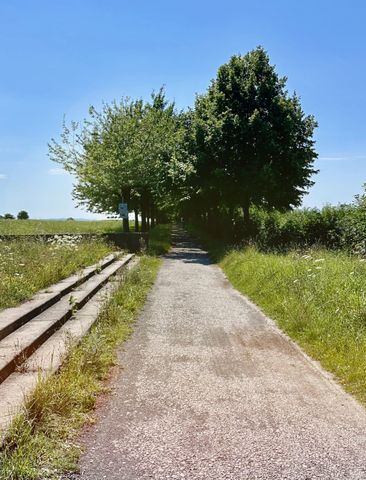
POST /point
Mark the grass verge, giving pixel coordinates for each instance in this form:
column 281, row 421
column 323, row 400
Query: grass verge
column 160, row 239
column 28, row 266
column 318, row 298
column 41, row 443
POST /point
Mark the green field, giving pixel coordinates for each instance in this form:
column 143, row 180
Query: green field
column 33, row 227
column 27, row 266
column 318, row 298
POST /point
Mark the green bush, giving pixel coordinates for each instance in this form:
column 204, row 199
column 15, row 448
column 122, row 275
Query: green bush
column 342, row 227
column 301, row 227
column 336, row 228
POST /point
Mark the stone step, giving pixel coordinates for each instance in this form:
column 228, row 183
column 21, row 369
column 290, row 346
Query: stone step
column 19, row 345
column 50, row 355
column 48, row 358
column 13, row 318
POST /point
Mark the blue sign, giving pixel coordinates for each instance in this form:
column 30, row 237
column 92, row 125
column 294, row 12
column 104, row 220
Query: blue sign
column 123, row 210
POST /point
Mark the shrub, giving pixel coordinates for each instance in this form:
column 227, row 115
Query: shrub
column 341, row 227
column 298, row 228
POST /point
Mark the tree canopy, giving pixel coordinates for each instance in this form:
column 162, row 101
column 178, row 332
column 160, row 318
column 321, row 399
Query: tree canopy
column 246, row 142
column 23, row 215
column 131, row 151
column 253, row 141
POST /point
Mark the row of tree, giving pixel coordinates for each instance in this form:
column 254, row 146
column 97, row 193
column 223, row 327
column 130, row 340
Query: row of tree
column 22, row 215
column 246, row 142
column 131, row 151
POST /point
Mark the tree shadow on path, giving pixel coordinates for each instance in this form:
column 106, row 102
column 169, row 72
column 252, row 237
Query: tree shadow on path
column 186, row 250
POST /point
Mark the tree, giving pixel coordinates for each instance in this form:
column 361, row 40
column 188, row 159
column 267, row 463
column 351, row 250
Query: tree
column 131, row 151
column 8, row 216
column 22, row 215
column 253, row 142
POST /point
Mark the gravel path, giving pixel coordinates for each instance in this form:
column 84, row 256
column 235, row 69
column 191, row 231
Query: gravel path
column 211, row 389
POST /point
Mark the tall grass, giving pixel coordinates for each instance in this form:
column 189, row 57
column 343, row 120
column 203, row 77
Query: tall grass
column 317, row 297
column 160, row 239
column 28, row 266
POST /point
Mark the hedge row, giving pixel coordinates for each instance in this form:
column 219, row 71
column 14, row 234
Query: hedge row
column 342, row 227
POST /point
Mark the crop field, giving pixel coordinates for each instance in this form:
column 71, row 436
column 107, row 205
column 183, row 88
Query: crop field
column 28, row 266
column 318, row 298
column 34, row 227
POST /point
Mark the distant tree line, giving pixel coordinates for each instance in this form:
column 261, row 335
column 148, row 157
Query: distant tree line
column 22, row 215
column 246, row 143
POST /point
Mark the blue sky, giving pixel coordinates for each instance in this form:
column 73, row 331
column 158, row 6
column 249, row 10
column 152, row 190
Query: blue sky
column 59, row 57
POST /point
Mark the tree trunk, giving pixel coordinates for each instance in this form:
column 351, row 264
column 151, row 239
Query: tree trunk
column 152, row 210
column 143, row 221
column 136, row 220
column 126, row 199
column 147, row 209
column 212, row 221
column 245, row 206
column 143, row 215
column 144, row 212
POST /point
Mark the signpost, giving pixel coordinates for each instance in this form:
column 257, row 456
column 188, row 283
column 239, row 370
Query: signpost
column 123, row 210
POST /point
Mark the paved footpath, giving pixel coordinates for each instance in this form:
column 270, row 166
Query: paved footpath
column 211, row 389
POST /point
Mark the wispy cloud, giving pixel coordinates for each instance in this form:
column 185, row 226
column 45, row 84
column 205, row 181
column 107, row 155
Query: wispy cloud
column 342, row 157
column 2, row 176
column 57, row 171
